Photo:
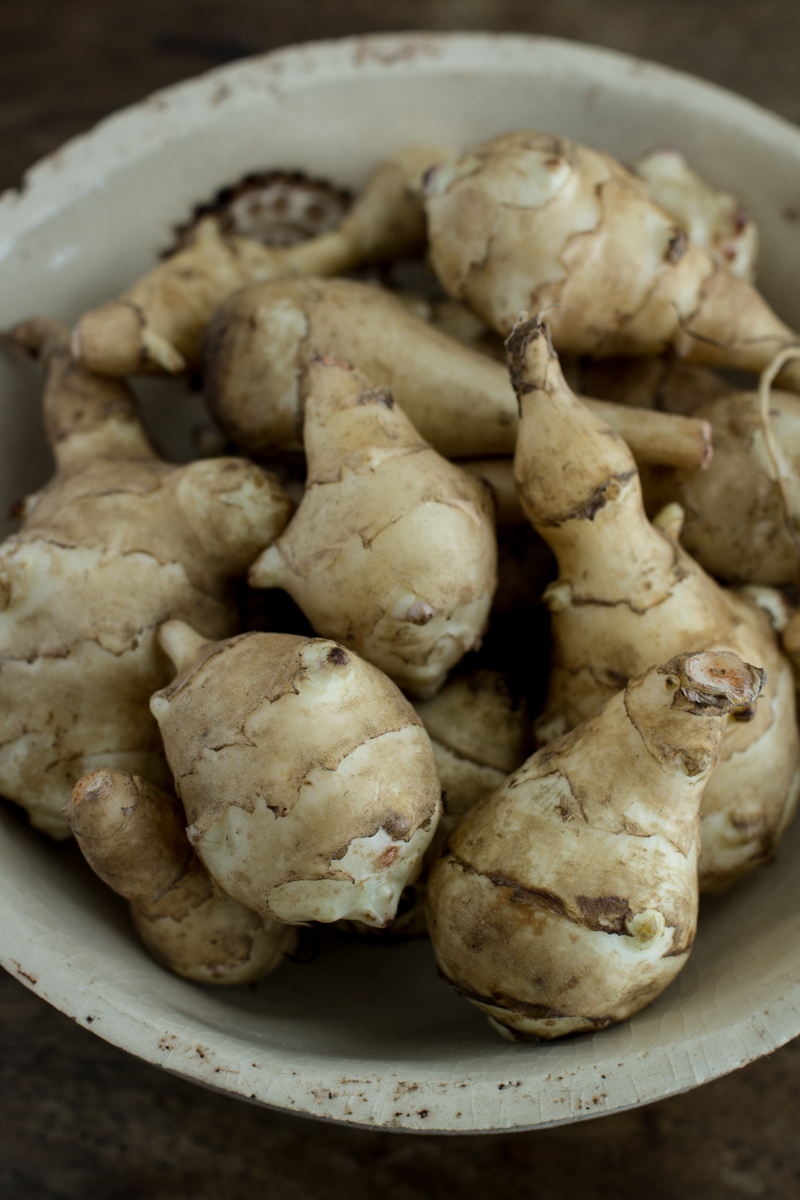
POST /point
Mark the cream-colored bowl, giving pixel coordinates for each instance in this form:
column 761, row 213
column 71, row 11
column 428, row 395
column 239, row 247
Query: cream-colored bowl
column 370, row 1035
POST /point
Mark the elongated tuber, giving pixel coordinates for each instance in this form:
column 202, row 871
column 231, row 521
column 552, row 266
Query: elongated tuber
column 529, row 222
column 308, row 780
column 132, row 835
column 392, row 551
column 690, row 445
column 566, row 900
column 116, row 543
column 460, row 401
column 157, row 324
column 715, row 221
column 628, row 596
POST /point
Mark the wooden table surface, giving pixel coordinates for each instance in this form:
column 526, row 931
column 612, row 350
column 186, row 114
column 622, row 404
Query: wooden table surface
column 80, row 1120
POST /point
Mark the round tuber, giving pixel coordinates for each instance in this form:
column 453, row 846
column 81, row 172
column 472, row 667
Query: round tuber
column 529, row 222
column 566, row 900
column 741, row 522
column 715, row 221
column 308, row 780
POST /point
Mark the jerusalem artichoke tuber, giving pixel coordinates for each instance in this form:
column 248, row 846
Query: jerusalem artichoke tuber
column 460, row 401
column 529, row 221
column 392, row 551
column 158, row 322
column 479, row 734
column 715, row 221
column 627, row 596
column 116, row 543
column 566, row 900
column 741, row 522
column 132, row 835
column 308, row 780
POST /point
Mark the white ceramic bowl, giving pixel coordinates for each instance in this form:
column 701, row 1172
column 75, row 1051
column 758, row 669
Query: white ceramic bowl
column 369, row 1035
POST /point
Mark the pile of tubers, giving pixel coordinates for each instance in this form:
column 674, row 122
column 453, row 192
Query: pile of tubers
column 531, row 687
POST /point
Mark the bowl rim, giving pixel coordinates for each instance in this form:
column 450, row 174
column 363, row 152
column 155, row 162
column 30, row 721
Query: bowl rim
column 61, row 178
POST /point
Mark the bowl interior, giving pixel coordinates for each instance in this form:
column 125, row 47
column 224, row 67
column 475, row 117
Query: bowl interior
column 369, row 1034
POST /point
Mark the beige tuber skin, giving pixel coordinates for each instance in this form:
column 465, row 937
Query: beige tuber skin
column 392, row 551
column 741, row 525
column 566, row 900
column 308, row 780
column 132, row 835
column 715, row 221
column 530, row 221
column 628, row 596
column 118, row 542
column 479, row 734
column 459, row 400
column 689, row 446
column 157, row 324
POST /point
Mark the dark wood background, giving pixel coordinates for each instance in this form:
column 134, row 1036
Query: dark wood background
column 80, row 1120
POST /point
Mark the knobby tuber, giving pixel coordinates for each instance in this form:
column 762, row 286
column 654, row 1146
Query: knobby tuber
column 628, row 596
column 566, row 900
column 459, row 400
column 741, row 522
column 116, row 543
column 308, row 779
column 132, row 835
column 715, row 221
column 392, row 551
column 692, row 443
column 157, row 324
column 531, row 222
column 479, row 734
